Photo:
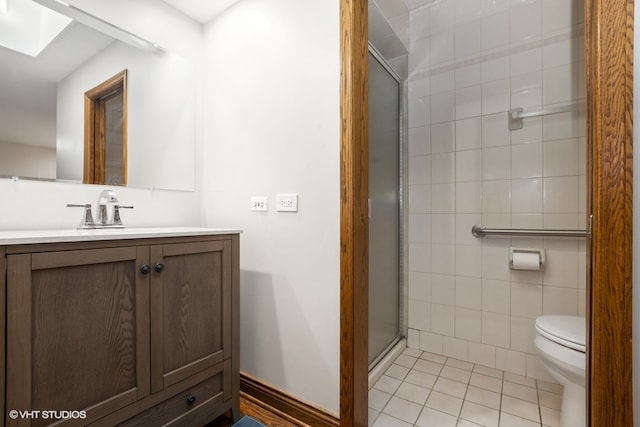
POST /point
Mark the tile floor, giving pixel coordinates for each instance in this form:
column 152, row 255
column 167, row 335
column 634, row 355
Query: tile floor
column 428, row 390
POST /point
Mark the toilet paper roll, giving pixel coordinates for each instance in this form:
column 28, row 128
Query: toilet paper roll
column 526, row 261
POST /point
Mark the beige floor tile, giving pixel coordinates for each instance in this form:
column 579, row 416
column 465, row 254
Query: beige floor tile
column 413, row 393
column 402, row 409
column 456, row 374
column 508, row 420
column 385, row 420
column 483, row 397
column 466, row 423
column 433, row 357
column 373, row 414
column 387, row 384
column 413, row 352
column 519, row 379
column 486, row 382
column 378, row 399
column 520, row 408
column 550, row 400
column 397, row 371
column 551, row 387
column 422, row 379
column 460, row 364
column 428, row 366
column 444, row 403
column 491, row 372
column 480, row 414
column 406, row 361
column 530, row 394
column 550, row 417
column 450, row 387
column 433, row 418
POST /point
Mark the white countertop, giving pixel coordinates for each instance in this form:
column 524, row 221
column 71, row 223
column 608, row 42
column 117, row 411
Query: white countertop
column 20, row 237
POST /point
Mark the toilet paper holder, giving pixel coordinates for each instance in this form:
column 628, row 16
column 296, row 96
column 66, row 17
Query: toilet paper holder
column 527, row 259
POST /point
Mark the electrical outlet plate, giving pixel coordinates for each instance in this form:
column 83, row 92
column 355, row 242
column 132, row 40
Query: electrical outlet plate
column 287, row 203
column 260, row 203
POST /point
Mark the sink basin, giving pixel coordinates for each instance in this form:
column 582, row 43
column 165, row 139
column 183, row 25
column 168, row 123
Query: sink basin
column 20, row 237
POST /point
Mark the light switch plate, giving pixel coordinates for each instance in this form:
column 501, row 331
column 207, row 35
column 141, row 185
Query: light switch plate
column 287, row 202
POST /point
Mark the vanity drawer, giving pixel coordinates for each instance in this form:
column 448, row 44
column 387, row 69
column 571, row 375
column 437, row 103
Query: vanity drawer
column 191, row 405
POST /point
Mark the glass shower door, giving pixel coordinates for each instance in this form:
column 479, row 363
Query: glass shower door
column 384, row 209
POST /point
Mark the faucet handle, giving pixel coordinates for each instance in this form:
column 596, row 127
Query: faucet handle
column 116, row 214
column 87, row 217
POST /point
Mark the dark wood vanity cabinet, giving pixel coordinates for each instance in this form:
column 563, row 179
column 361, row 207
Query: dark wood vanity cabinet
column 128, row 332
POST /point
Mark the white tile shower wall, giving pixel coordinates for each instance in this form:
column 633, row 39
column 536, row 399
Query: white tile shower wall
column 397, row 14
column 471, row 61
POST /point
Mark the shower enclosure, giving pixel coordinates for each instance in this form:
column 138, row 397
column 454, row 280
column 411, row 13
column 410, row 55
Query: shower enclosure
column 385, row 208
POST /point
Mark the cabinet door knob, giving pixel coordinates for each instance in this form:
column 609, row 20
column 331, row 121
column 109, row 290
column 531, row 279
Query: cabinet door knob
column 145, row 269
column 158, row 267
column 191, row 400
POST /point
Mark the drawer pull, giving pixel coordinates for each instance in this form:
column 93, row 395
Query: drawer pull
column 191, row 400
column 145, row 269
column 158, row 267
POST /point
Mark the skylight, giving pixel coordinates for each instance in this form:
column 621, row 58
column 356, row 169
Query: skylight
column 28, row 27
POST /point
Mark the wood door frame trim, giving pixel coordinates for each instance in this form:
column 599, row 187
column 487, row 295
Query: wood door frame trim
column 609, row 29
column 93, row 105
column 609, row 62
column 354, row 221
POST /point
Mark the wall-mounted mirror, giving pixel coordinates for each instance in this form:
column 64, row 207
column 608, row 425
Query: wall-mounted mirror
column 42, row 102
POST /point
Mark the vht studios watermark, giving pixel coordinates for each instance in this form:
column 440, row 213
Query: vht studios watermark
column 47, row 415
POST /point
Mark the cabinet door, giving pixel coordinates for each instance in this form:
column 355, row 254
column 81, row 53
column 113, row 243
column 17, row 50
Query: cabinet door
column 190, row 309
column 77, row 332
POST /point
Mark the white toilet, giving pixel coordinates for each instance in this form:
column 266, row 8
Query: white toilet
column 560, row 343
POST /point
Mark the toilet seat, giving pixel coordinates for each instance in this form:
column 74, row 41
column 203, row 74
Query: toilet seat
column 568, row 331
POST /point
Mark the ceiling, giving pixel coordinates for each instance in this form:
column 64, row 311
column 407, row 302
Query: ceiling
column 201, row 11
column 414, row 4
column 28, row 84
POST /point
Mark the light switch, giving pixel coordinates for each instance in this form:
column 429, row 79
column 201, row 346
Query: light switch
column 259, row 203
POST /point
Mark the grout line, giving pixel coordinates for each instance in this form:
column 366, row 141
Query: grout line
column 501, row 395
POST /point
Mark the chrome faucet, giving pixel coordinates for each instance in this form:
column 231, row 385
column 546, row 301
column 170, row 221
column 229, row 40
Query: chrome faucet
column 87, row 218
column 105, row 197
column 102, row 217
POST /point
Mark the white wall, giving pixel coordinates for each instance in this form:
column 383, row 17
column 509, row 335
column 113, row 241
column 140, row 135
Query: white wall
column 468, row 67
column 160, row 116
column 27, row 160
column 38, row 205
column 30, row 205
column 272, row 126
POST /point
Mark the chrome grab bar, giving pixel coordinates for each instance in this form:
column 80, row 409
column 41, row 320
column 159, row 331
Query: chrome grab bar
column 516, row 115
column 480, row 230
